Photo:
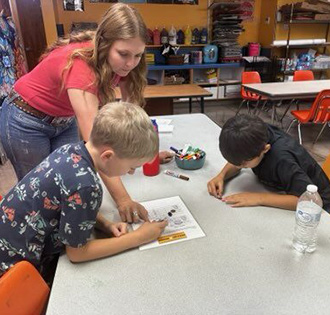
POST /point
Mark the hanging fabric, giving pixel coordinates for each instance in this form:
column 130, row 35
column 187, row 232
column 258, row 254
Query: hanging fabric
column 20, row 61
column 12, row 62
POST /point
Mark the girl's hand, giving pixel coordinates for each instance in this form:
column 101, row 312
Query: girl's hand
column 132, row 211
column 165, row 157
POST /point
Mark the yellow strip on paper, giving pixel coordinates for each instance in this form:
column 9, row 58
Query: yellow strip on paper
column 171, row 237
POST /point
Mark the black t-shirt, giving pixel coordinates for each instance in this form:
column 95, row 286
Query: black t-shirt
column 288, row 167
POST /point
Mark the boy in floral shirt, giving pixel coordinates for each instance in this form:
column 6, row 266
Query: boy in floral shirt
column 55, row 206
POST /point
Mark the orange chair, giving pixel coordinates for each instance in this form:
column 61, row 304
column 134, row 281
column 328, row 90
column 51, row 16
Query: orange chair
column 319, row 113
column 23, row 290
column 249, row 77
column 326, row 166
column 303, row 75
column 299, row 75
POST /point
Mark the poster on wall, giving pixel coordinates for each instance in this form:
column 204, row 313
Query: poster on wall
column 73, row 5
column 247, row 8
column 103, row 1
column 148, row 1
column 132, row 1
column 185, row 2
column 160, row 1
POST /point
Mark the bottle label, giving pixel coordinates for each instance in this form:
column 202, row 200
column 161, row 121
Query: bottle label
column 306, row 217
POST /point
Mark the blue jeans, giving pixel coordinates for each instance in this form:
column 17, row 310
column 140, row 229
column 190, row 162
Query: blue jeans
column 28, row 140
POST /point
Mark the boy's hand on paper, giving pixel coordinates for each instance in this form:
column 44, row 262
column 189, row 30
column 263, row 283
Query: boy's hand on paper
column 165, row 157
column 243, row 199
column 131, row 211
column 149, row 231
column 118, row 228
column 215, row 186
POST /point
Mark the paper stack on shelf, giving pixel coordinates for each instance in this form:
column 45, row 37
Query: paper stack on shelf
column 292, row 42
column 227, row 27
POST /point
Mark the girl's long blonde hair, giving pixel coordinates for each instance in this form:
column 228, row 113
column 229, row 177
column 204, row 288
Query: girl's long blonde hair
column 119, row 22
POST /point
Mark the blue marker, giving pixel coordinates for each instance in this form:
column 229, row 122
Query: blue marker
column 174, row 149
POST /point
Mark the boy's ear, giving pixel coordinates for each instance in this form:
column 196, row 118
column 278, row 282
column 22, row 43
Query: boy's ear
column 267, row 148
column 107, row 154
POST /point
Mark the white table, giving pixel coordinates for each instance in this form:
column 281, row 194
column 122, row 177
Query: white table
column 291, row 90
column 244, row 265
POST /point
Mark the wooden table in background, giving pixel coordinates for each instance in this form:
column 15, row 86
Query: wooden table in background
column 159, row 98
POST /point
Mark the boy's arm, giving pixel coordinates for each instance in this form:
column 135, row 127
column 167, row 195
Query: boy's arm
column 247, row 199
column 215, row 185
column 100, row 248
column 110, row 228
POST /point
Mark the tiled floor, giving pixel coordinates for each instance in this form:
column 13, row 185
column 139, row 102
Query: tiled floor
column 219, row 112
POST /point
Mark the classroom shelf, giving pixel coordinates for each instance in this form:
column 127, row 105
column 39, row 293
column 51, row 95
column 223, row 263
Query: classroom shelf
column 194, row 66
column 181, row 45
column 227, row 75
column 305, row 22
column 293, row 24
column 302, row 45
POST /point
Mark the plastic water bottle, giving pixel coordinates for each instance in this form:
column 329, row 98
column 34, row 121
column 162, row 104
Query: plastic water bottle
column 195, row 39
column 308, row 214
column 172, row 36
column 180, row 37
column 156, row 36
column 187, row 36
column 164, row 36
column 152, row 168
column 204, row 36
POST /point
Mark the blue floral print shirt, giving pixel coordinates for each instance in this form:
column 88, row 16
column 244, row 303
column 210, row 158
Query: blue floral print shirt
column 52, row 206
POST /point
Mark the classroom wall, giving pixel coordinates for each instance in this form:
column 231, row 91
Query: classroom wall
column 153, row 14
column 251, row 33
column 158, row 15
column 306, row 31
column 48, row 13
column 267, row 22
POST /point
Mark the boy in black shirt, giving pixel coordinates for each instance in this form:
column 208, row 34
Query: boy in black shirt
column 277, row 160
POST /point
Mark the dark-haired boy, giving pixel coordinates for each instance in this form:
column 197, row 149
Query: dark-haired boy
column 274, row 157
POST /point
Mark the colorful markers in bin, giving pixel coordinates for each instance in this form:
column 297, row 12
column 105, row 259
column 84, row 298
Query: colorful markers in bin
column 188, row 152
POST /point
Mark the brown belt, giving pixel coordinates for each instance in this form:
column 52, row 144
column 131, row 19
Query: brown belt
column 24, row 106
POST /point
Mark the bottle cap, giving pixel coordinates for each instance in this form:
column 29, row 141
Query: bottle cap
column 312, row 188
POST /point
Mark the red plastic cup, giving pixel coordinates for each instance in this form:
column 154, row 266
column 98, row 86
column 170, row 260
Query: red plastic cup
column 152, row 168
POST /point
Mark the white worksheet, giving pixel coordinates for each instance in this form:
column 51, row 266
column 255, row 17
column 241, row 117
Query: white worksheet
column 181, row 224
column 164, row 125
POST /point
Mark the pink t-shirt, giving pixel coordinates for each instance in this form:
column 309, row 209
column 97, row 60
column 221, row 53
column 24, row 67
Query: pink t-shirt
column 41, row 87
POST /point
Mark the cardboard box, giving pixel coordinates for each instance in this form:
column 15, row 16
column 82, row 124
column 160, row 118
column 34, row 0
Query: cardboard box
column 319, row 2
column 318, row 8
column 150, row 59
column 322, row 17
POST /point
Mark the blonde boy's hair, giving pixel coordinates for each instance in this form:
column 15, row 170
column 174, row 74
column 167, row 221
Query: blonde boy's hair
column 127, row 129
